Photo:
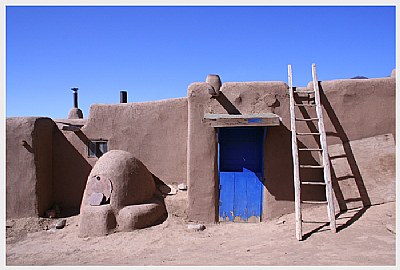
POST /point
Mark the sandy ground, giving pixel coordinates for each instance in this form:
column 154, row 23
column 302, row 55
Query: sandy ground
column 365, row 237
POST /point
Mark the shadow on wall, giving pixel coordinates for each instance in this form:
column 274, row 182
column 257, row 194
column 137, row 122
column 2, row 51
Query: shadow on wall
column 70, row 172
column 28, row 147
column 161, row 185
column 278, row 167
column 226, row 104
column 356, row 175
column 350, row 159
column 88, row 142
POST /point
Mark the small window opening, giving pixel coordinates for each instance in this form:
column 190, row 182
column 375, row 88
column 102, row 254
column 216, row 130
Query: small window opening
column 97, row 148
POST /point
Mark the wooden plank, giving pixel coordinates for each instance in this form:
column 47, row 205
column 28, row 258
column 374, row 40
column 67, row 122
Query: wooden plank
column 313, row 183
column 304, row 92
column 325, row 158
column 314, row 202
column 308, row 133
column 240, row 116
column 232, row 120
column 307, row 119
column 312, row 166
column 226, row 196
column 304, row 105
column 295, row 154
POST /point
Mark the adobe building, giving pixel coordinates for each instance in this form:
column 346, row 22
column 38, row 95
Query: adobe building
column 201, row 139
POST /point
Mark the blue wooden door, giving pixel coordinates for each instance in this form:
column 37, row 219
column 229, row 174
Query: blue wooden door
column 240, row 173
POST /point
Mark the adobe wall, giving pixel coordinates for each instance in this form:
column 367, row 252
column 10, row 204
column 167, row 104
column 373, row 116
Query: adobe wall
column 28, row 166
column 356, row 108
column 71, row 165
column 353, row 109
column 364, row 171
column 172, row 141
column 243, row 98
column 155, row 132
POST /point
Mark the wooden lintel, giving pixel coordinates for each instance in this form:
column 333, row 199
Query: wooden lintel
column 249, row 120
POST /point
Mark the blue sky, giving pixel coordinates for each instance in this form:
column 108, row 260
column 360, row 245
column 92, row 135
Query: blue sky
column 156, row 52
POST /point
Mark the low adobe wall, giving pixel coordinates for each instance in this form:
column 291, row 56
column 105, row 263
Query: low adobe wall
column 353, row 109
column 28, row 166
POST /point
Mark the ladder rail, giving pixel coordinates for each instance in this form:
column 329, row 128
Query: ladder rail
column 296, row 173
column 325, row 157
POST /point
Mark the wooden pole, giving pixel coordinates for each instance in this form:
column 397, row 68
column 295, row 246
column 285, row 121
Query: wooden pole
column 325, row 157
column 296, row 179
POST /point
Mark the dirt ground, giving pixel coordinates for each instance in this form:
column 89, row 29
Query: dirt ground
column 365, row 237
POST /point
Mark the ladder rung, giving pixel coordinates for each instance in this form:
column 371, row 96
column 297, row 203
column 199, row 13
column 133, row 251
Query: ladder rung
column 308, row 133
column 304, row 105
column 353, row 200
column 303, row 92
column 310, row 98
column 313, row 183
column 314, row 202
column 306, row 119
column 312, row 166
column 305, row 98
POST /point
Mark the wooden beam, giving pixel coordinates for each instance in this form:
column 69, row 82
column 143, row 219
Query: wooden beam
column 249, row 120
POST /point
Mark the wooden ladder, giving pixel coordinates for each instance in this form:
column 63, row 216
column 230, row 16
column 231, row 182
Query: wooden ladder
column 322, row 150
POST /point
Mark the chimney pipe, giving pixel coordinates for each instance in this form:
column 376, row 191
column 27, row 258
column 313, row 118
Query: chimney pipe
column 75, row 93
column 123, row 97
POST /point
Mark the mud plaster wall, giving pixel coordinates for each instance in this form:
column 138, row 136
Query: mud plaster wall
column 28, row 166
column 353, row 109
column 235, row 98
column 356, row 109
column 157, row 132
column 154, row 132
column 71, row 165
column 364, row 171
